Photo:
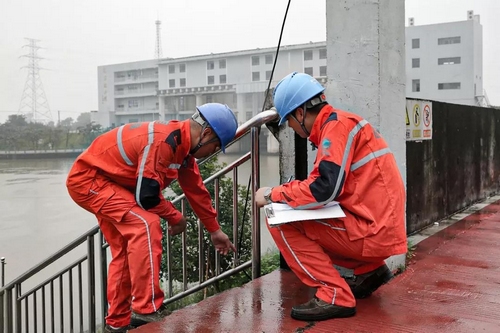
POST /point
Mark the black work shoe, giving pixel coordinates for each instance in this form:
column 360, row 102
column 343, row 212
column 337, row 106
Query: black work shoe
column 139, row 319
column 317, row 309
column 364, row 285
column 109, row 329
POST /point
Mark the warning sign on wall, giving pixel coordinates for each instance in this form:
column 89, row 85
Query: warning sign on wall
column 418, row 120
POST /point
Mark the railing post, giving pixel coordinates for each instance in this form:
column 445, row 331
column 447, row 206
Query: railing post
column 10, row 314
column 104, row 277
column 2, row 261
column 2, row 314
column 17, row 295
column 256, row 271
column 91, row 285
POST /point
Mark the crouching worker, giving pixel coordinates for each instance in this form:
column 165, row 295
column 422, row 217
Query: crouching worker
column 355, row 167
column 120, row 179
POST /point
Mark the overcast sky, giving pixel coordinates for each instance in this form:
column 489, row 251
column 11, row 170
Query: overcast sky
column 78, row 36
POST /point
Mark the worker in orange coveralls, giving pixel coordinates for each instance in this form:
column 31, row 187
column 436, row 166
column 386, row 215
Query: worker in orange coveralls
column 120, row 179
column 355, row 167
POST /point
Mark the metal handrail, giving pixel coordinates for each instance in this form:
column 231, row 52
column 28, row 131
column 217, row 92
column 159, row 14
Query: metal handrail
column 12, row 291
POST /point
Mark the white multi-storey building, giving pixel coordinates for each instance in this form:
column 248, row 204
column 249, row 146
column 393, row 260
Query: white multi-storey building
column 443, row 62
column 171, row 88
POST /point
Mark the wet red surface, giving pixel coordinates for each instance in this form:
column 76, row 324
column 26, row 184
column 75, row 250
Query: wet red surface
column 451, row 285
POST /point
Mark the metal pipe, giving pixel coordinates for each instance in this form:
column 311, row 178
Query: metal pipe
column 70, row 287
column 235, row 215
column 217, row 209
column 35, row 316
column 184, row 250
column 91, row 283
column 61, row 304
column 80, row 297
column 255, row 209
column 104, row 276
column 52, row 314
column 17, row 293
column 2, row 314
column 2, row 261
column 10, row 311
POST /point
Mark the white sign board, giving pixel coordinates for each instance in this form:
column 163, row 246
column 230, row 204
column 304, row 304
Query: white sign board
column 418, row 120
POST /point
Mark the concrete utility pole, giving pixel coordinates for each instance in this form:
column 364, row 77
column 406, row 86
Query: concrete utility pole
column 34, row 103
column 366, row 68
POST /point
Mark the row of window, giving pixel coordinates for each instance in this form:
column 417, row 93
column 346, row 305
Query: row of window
column 255, row 77
column 268, row 60
column 415, row 85
column 415, row 42
column 415, row 62
column 171, row 68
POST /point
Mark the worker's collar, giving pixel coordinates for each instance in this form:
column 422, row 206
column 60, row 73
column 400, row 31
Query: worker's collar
column 322, row 116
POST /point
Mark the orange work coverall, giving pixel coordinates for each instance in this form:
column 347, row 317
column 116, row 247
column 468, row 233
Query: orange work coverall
column 120, row 179
column 355, row 167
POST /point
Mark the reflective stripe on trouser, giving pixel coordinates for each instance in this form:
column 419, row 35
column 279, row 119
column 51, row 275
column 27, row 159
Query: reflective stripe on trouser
column 310, row 249
column 134, row 236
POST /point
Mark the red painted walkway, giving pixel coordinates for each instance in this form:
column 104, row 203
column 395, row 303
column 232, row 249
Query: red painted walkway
column 451, row 285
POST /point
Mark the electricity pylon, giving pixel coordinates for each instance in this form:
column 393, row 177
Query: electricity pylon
column 34, row 103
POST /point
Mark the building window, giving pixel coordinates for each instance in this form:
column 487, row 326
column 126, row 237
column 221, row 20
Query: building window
column 210, row 65
column 248, row 100
column 171, row 69
column 268, row 75
column 308, row 70
column 415, row 63
column 322, row 70
column 182, row 82
column 222, row 63
column 182, row 68
column 415, row 85
column 171, row 83
column 269, row 59
column 255, row 60
column 322, row 53
column 449, row 61
column 308, row 55
column 210, row 79
column 255, row 76
column 209, row 99
column 133, row 103
column 222, row 78
column 449, row 40
column 449, row 85
column 415, row 43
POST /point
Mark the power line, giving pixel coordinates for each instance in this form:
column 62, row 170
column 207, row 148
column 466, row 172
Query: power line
column 34, row 103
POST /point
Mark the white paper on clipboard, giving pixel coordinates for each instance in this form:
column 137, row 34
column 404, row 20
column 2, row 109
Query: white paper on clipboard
column 278, row 213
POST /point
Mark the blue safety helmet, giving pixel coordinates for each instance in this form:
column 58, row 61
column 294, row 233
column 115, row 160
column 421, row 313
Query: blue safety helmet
column 222, row 120
column 293, row 91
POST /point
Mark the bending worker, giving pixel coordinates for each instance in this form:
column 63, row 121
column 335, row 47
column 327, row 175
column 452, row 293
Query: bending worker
column 355, row 167
column 120, row 179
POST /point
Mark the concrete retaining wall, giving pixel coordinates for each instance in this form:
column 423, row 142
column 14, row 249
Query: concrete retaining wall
column 459, row 166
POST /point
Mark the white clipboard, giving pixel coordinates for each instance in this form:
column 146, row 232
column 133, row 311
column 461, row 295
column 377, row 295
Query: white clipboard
column 278, row 213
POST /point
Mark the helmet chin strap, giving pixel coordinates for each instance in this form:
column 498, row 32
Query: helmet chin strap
column 302, row 125
column 204, row 125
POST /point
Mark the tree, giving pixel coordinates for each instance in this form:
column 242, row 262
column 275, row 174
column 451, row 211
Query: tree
column 82, row 121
